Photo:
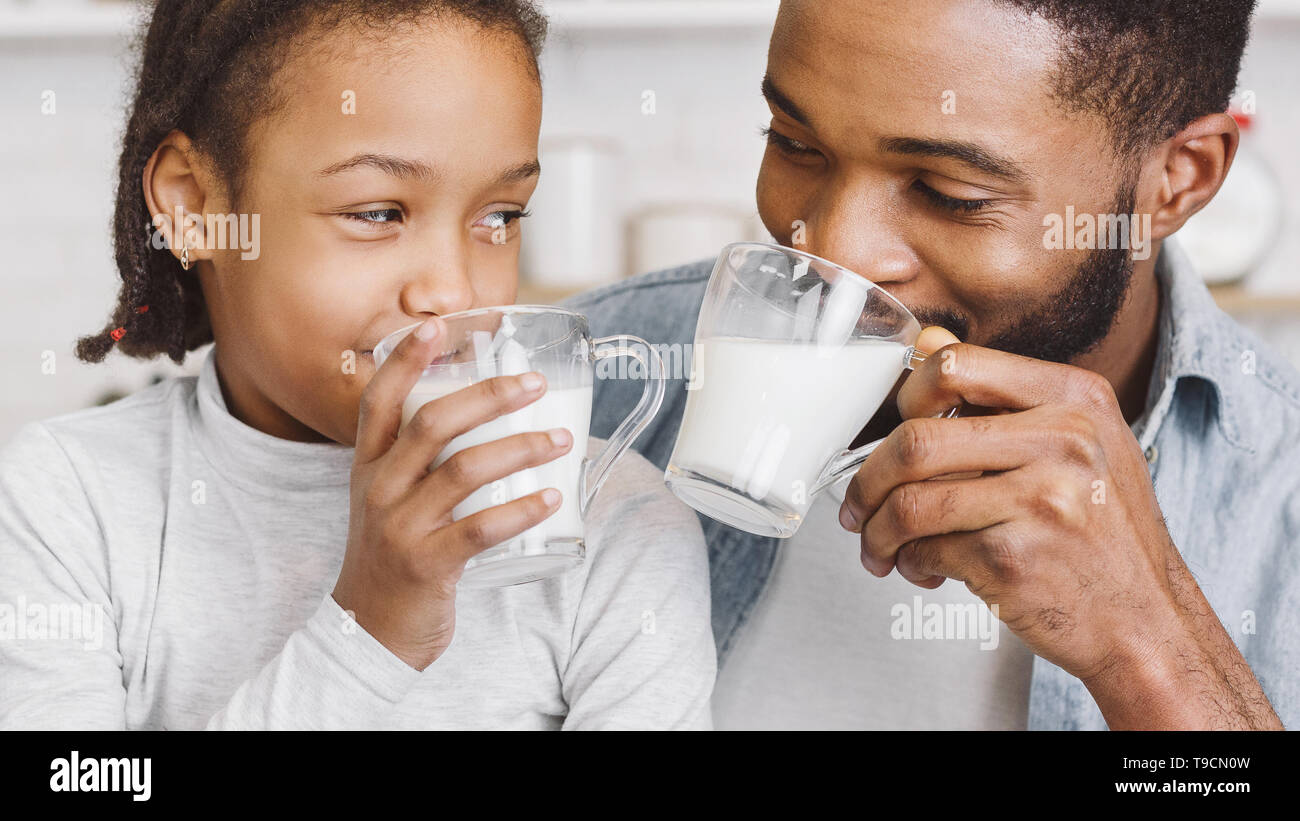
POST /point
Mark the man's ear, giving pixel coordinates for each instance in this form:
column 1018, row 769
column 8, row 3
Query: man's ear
column 176, row 185
column 1185, row 171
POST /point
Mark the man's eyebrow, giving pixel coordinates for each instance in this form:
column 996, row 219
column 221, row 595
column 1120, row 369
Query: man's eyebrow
column 969, row 153
column 777, row 98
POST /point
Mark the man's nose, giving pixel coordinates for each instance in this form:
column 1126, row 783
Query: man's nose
column 860, row 228
column 440, row 282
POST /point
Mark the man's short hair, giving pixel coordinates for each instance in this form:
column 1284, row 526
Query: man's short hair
column 1149, row 67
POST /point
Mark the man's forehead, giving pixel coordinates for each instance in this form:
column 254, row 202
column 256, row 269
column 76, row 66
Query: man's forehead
column 929, row 76
column 900, row 49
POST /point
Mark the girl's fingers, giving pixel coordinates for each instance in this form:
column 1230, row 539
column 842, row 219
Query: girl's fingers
column 476, row 467
column 381, row 401
column 439, row 421
column 463, row 540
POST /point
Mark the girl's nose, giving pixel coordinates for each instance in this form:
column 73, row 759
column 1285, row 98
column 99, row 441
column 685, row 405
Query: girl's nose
column 441, row 286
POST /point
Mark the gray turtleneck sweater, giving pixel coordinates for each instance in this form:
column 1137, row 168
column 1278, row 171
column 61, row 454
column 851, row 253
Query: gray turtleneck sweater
column 165, row 566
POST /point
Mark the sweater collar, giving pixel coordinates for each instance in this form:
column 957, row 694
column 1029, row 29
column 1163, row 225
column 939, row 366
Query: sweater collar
column 258, row 460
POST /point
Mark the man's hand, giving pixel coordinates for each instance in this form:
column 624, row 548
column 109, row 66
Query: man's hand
column 1045, row 509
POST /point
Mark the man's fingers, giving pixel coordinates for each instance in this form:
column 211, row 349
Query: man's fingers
column 934, row 337
column 381, row 401
column 920, row 509
column 974, row 557
column 917, row 561
column 922, row 449
column 905, row 569
column 970, row 374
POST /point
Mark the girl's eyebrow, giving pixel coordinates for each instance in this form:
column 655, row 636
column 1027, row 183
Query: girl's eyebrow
column 520, row 172
column 399, row 167
column 405, row 169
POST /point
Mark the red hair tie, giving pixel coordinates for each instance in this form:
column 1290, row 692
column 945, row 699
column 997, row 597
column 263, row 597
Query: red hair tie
column 118, row 333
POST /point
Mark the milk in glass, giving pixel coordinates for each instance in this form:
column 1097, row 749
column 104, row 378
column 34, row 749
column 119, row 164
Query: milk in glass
column 767, row 416
column 568, row 408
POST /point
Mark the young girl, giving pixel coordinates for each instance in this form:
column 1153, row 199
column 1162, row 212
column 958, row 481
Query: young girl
column 258, row 547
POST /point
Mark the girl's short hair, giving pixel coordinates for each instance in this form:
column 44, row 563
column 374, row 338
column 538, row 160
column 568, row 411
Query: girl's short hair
column 205, row 69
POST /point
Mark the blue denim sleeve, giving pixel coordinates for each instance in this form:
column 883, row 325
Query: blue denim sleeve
column 661, row 308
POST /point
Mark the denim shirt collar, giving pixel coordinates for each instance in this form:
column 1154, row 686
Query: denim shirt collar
column 1196, row 340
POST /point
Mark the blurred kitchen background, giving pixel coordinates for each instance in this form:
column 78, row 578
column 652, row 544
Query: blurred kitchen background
column 650, row 147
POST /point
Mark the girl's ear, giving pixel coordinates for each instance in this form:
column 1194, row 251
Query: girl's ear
column 177, row 188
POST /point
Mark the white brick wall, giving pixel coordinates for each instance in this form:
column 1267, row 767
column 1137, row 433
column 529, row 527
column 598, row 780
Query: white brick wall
column 58, row 172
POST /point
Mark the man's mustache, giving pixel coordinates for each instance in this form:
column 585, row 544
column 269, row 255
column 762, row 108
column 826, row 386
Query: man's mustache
column 944, row 318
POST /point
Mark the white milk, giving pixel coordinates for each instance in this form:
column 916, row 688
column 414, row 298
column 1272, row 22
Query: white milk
column 768, row 416
column 568, row 408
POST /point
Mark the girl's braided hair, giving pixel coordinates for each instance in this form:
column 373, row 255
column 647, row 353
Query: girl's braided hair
column 205, row 69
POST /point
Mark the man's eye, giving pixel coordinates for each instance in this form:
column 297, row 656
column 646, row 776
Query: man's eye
column 501, row 219
column 953, row 204
column 787, row 144
column 380, row 215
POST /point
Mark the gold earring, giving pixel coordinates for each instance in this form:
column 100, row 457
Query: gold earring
column 185, row 255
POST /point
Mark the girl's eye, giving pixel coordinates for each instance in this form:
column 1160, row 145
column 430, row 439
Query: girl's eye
column 378, row 216
column 947, row 203
column 788, row 145
column 502, row 219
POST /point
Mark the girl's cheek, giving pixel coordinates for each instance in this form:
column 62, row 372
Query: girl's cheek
column 496, row 280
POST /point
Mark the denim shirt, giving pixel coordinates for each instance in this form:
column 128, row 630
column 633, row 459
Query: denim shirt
column 1221, row 432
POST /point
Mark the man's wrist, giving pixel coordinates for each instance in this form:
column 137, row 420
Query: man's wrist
column 1154, row 679
column 1172, row 674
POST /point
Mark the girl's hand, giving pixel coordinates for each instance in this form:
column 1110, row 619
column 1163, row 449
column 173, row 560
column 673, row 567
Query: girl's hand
column 405, row 554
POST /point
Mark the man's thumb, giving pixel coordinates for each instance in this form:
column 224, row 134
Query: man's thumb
column 933, row 338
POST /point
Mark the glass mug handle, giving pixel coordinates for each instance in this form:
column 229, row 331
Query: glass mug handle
column 848, row 461
column 596, row 471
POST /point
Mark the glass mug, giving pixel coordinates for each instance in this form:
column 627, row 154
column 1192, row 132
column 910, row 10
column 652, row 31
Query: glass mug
column 516, row 339
column 793, row 354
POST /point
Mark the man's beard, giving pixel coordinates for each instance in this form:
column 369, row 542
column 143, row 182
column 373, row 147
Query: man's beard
column 1073, row 321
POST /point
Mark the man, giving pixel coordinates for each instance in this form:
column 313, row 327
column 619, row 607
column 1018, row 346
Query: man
column 1121, row 484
